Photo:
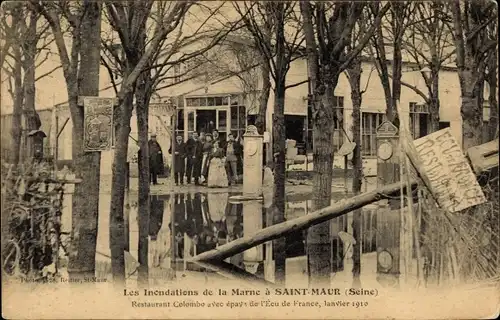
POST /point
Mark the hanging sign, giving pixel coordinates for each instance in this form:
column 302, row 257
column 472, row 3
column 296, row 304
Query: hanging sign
column 98, row 124
column 452, row 180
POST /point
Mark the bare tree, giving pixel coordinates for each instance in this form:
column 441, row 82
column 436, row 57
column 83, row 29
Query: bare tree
column 471, row 20
column 353, row 73
column 14, row 72
column 26, row 49
column 268, row 23
column 392, row 29
column 80, row 66
column 428, row 42
column 146, row 64
column 328, row 29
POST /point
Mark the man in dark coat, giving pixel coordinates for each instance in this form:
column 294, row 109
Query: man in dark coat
column 155, row 159
column 197, row 157
column 190, row 146
column 179, row 158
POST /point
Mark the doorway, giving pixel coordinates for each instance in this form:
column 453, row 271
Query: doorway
column 294, row 127
column 206, row 120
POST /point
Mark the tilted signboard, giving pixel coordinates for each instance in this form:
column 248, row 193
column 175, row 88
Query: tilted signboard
column 98, row 125
column 452, row 180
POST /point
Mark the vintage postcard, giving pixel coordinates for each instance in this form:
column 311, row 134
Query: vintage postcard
column 249, row 159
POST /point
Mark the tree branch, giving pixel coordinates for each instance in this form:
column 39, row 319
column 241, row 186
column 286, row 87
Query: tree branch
column 47, row 73
column 296, row 84
column 357, row 50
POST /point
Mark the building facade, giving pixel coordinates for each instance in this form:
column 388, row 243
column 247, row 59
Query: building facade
column 228, row 106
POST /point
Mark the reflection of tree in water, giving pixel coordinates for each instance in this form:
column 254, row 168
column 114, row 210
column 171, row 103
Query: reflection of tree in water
column 157, row 207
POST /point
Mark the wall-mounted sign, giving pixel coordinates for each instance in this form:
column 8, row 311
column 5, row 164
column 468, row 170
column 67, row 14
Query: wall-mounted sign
column 98, row 123
column 452, row 180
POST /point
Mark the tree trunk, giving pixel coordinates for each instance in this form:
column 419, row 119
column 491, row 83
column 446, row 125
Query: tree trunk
column 16, row 130
column 492, row 79
column 29, row 52
column 434, row 104
column 318, row 237
column 472, row 119
column 278, row 212
column 116, row 219
column 32, row 120
column 260, row 122
column 397, row 60
column 357, row 161
column 143, row 211
column 85, row 210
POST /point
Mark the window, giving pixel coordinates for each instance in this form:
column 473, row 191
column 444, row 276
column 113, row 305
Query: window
column 190, row 121
column 419, row 120
column 369, row 123
column 179, row 128
column 207, row 101
column 338, row 135
column 222, row 122
column 211, row 101
column 193, row 102
column 238, row 120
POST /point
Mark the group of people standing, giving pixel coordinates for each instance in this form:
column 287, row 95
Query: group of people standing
column 205, row 156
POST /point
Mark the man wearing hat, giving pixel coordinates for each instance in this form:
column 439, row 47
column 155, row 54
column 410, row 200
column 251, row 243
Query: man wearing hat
column 155, row 159
column 179, row 157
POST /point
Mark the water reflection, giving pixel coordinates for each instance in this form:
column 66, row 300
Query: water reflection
column 183, row 225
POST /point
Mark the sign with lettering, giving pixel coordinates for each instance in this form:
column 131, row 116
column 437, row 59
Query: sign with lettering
column 451, row 177
column 98, row 123
column 387, row 129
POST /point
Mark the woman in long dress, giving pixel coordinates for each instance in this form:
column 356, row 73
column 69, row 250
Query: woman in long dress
column 207, row 150
column 217, row 176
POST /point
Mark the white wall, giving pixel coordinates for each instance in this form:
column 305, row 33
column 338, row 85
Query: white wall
column 373, row 101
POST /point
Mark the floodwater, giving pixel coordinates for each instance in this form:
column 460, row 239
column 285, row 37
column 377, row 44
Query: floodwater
column 185, row 224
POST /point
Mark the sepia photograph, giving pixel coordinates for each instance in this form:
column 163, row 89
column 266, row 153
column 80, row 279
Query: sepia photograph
column 249, row 159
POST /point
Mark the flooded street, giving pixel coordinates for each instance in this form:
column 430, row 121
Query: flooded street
column 182, row 225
